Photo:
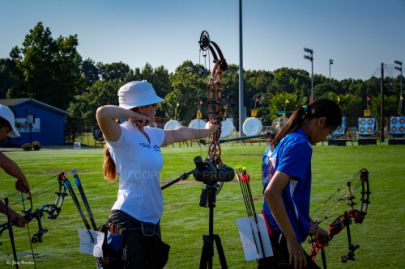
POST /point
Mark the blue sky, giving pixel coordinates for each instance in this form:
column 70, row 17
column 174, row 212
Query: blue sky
column 357, row 34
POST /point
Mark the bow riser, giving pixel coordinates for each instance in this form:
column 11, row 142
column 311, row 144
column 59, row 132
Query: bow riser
column 52, row 211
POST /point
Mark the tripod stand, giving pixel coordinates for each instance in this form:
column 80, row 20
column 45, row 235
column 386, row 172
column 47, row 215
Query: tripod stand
column 208, row 197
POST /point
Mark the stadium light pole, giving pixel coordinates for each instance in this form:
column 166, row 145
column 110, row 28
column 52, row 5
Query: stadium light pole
column 330, row 71
column 398, row 66
column 241, row 106
column 310, row 56
column 382, row 102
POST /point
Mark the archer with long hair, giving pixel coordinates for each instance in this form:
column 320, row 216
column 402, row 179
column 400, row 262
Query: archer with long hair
column 133, row 154
column 287, row 181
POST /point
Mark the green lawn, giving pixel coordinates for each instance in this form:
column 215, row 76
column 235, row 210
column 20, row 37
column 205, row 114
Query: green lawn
column 381, row 236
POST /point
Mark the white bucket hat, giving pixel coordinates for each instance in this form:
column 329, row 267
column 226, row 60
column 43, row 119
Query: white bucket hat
column 136, row 94
column 8, row 115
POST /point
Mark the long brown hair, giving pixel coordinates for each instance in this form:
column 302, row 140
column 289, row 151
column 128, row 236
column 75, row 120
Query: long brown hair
column 4, row 123
column 109, row 165
column 321, row 108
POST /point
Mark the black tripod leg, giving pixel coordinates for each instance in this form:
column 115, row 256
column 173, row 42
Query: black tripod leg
column 208, row 248
column 207, row 252
column 323, row 255
column 11, row 233
column 221, row 253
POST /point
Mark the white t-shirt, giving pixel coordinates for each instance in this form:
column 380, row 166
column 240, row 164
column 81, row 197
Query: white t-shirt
column 138, row 164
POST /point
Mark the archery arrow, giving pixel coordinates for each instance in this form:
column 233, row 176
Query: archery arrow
column 244, row 182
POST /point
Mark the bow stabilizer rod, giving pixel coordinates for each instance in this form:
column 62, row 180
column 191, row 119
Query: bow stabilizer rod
column 68, row 186
column 79, row 186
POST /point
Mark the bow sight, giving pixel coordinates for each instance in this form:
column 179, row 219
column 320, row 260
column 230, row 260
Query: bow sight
column 208, row 173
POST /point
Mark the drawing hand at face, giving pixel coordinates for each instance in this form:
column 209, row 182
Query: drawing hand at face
column 140, row 120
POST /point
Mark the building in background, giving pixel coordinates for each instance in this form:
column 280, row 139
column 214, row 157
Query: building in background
column 36, row 121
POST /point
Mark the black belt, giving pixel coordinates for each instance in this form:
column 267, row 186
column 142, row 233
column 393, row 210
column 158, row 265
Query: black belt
column 134, row 225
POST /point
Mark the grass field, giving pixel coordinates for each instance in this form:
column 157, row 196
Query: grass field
column 381, row 236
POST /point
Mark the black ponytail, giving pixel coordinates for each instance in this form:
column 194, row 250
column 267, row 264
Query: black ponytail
column 321, row 108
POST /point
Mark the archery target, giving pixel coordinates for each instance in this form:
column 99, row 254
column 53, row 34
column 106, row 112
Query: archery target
column 367, row 126
column 197, row 124
column 227, row 127
column 97, row 134
column 397, row 126
column 171, row 124
column 252, row 126
column 341, row 129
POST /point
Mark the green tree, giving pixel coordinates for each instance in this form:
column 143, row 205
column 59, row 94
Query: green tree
column 188, row 92
column 320, row 90
column 390, row 106
column 230, row 93
column 159, row 77
column 114, row 71
column 50, row 67
column 83, row 109
column 11, row 79
column 256, row 84
column 289, row 80
column 89, row 71
column 283, row 103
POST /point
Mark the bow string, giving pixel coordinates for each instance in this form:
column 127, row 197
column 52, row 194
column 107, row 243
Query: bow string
column 217, row 108
column 212, row 169
column 356, row 195
column 52, row 210
column 216, row 112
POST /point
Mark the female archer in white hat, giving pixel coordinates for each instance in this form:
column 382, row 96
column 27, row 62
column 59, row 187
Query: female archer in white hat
column 8, row 129
column 133, row 153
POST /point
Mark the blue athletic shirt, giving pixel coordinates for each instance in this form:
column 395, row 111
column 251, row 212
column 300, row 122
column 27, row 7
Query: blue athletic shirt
column 291, row 156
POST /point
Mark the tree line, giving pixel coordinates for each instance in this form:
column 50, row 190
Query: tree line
column 52, row 71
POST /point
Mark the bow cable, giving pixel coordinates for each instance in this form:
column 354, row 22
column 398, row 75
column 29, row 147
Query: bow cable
column 25, row 210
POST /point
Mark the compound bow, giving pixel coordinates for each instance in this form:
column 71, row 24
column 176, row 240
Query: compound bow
column 216, row 113
column 212, row 169
column 51, row 209
column 355, row 214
